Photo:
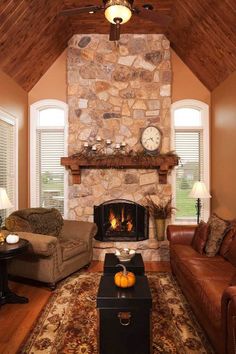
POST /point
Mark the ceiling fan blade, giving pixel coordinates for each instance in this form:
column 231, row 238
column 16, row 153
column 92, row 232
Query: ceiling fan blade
column 153, row 16
column 114, row 32
column 81, row 10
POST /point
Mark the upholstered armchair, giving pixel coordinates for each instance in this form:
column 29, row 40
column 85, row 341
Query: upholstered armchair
column 57, row 247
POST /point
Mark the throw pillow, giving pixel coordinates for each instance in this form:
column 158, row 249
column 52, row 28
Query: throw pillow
column 233, row 280
column 229, row 235
column 200, row 237
column 231, row 254
column 216, row 235
column 35, row 220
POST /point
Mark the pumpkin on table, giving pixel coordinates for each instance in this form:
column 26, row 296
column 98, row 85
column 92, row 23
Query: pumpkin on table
column 124, row 279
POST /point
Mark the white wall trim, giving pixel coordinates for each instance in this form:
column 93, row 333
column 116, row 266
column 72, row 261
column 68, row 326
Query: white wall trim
column 34, row 115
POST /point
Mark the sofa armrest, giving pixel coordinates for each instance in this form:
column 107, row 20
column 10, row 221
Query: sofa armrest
column 82, row 230
column 181, row 234
column 228, row 314
column 40, row 245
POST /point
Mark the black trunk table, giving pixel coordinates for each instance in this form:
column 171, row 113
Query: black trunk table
column 124, row 317
column 9, row 251
column 135, row 265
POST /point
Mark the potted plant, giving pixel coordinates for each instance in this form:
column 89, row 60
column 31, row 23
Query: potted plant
column 160, row 211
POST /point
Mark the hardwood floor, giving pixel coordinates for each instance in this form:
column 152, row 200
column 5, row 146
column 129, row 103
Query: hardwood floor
column 16, row 320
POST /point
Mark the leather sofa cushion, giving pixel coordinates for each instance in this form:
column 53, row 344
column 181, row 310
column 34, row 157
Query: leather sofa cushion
column 208, row 269
column 230, row 255
column 228, row 238
column 200, row 237
column 73, row 248
column 216, row 235
column 186, row 251
column 233, row 280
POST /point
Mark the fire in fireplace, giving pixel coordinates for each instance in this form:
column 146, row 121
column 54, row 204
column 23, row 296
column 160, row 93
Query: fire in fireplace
column 121, row 220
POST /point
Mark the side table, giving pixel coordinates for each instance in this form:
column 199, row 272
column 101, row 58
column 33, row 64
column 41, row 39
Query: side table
column 9, row 251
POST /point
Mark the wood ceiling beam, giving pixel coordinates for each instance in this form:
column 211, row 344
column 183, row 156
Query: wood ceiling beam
column 204, row 40
column 28, row 75
column 28, row 28
column 32, row 35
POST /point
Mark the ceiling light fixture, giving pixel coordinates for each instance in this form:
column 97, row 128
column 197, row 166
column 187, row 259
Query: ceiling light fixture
column 148, row 7
column 118, row 11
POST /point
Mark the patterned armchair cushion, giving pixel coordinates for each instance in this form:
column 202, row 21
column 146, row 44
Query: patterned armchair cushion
column 35, row 220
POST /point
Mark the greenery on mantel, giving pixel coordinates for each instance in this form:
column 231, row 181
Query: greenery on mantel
column 163, row 163
column 135, row 156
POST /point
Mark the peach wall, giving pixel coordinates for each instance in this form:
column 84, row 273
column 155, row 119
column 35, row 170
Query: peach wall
column 185, row 84
column 224, row 148
column 53, row 84
column 14, row 100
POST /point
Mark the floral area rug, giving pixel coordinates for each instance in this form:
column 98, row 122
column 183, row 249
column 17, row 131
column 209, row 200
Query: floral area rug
column 68, row 324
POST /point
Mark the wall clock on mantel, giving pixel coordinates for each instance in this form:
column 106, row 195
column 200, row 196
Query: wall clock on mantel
column 151, row 138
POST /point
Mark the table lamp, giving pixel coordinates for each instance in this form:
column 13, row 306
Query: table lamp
column 199, row 192
column 4, row 204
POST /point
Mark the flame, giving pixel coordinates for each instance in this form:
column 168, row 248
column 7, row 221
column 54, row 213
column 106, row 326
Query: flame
column 113, row 220
column 120, row 222
column 123, row 214
column 129, row 225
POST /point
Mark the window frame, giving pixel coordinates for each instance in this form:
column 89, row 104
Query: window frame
column 35, row 109
column 11, row 119
column 204, row 109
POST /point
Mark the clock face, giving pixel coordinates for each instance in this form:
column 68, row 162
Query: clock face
column 151, row 139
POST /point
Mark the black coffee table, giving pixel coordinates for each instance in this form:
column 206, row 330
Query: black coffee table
column 124, row 317
column 135, row 265
column 9, row 251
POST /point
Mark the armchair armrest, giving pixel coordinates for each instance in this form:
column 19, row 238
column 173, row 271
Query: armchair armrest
column 41, row 245
column 181, row 234
column 228, row 314
column 82, row 230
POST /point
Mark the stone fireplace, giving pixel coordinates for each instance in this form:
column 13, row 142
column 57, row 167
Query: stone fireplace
column 121, row 220
column 114, row 92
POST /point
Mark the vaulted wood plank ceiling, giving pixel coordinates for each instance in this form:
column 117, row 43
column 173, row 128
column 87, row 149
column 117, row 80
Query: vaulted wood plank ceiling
column 33, row 34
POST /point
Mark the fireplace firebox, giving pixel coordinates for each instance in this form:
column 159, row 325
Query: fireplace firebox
column 121, row 220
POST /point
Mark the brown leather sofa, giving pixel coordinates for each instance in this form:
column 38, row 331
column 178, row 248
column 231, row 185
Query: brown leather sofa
column 51, row 258
column 206, row 283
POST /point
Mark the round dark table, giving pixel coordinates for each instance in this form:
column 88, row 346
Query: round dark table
column 9, row 251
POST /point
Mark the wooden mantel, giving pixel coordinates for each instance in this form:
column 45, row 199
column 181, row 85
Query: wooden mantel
column 163, row 163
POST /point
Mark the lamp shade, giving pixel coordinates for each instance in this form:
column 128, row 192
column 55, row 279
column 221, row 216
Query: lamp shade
column 118, row 9
column 199, row 191
column 4, row 200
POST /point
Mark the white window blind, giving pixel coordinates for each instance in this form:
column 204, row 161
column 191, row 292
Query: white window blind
column 191, row 142
column 48, row 143
column 7, row 161
column 49, row 172
column 188, row 146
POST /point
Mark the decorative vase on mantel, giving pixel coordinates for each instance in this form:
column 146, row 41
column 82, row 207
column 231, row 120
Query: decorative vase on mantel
column 160, row 229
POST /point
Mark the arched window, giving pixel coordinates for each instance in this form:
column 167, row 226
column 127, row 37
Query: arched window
column 190, row 119
column 48, row 143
